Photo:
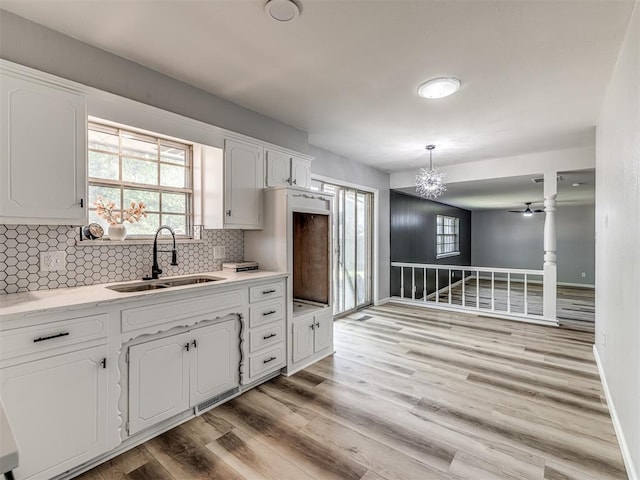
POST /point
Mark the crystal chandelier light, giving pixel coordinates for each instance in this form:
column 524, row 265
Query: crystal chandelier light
column 430, row 181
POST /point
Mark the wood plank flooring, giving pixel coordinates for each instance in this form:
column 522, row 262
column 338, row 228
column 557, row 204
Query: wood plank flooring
column 409, row 394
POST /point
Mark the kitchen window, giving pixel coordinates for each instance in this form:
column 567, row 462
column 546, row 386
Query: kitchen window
column 447, row 236
column 129, row 167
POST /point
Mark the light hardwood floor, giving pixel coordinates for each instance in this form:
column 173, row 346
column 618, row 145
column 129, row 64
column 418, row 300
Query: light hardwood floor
column 409, row 394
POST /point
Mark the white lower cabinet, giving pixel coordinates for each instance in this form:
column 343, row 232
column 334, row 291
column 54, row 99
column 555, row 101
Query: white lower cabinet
column 312, row 335
column 57, row 407
column 172, row 374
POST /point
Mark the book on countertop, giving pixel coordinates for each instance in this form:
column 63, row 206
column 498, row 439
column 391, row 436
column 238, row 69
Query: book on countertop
column 240, row 266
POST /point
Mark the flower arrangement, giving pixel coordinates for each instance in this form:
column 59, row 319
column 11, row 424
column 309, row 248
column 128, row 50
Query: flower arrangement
column 105, row 209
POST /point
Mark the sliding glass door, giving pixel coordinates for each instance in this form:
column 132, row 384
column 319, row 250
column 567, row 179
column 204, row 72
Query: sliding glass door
column 352, row 245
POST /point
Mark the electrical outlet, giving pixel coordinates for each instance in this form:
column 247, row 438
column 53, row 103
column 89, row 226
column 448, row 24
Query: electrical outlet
column 52, row 261
column 584, row 274
column 219, row 252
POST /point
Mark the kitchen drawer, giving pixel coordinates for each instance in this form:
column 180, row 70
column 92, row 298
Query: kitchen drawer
column 267, row 362
column 265, row 292
column 214, row 304
column 42, row 338
column 266, row 336
column 266, row 313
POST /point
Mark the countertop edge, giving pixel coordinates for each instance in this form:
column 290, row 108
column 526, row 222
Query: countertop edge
column 16, row 306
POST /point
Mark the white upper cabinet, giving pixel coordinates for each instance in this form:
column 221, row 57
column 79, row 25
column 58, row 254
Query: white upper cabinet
column 278, row 168
column 300, row 172
column 243, row 179
column 43, row 152
column 284, row 169
column 232, row 182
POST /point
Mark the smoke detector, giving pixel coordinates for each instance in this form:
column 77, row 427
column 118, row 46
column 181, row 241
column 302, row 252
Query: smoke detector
column 282, row 10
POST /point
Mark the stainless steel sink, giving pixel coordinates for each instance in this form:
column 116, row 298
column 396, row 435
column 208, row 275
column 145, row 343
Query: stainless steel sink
column 177, row 282
column 162, row 283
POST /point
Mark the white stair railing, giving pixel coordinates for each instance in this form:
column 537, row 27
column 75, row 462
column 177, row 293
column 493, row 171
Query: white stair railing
column 505, row 292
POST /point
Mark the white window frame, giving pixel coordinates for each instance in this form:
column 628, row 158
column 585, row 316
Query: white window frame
column 188, row 190
column 455, row 249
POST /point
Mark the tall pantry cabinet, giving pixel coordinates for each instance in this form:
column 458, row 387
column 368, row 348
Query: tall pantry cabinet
column 297, row 239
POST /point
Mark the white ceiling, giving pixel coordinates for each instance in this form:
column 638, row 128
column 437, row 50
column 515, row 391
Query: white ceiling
column 534, row 73
column 511, row 193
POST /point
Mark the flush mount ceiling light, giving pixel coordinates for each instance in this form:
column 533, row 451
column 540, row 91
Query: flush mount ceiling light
column 282, row 10
column 439, row 87
column 430, row 181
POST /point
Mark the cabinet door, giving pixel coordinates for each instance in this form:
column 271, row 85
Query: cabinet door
column 302, row 342
column 43, row 153
column 278, row 168
column 215, row 360
column 301, row 172
column 243, row 182
column 323, row 330
column 158, row 381
column 57, row 409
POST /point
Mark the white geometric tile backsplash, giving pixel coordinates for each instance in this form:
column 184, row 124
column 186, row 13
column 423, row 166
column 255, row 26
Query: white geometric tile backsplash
column 20, row 247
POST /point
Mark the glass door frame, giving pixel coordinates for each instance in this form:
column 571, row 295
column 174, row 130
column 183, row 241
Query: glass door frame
column 371, row 283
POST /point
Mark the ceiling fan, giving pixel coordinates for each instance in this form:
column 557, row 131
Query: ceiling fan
column 527, row 212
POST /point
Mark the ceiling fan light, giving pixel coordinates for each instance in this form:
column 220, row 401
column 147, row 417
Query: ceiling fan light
column 439, row 87
column 527, row 213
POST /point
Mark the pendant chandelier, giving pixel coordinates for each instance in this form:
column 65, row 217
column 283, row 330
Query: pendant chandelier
column 430, row 181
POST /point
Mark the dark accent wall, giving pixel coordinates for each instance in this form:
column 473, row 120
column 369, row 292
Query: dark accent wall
column 413, row 239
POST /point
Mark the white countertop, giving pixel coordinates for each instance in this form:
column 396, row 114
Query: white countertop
column 18, row 305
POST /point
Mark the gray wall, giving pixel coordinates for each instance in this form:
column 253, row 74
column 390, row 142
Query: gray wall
column 509, row 240
column 334, row 166
column 35, row 46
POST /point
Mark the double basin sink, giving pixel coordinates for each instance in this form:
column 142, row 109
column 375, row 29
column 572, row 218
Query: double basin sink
column 163, row 283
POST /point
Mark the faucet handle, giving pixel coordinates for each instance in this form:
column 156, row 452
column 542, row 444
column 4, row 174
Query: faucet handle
column 174, row 257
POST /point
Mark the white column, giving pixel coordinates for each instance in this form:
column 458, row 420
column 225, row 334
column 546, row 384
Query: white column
column 550, row 269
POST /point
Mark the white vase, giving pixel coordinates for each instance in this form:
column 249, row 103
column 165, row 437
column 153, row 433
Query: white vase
column 117, row 231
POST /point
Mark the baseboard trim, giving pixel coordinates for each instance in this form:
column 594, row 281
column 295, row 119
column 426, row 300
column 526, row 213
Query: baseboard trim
column 622, row 442
column 382, row 301
column 578, row 285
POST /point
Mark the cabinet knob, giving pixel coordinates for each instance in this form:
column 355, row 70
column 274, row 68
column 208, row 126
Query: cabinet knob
column 295, row 182
column 313, row 326
column 317, row 325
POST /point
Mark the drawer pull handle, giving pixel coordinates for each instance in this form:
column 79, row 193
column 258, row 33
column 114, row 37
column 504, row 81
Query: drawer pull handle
column 269, row 360
column 267, row 292
column 57, row 335
column 317, row 325
column 269, row 336
column 270, row 312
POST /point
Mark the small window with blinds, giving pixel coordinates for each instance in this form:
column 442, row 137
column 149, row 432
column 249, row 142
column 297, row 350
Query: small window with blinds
column 447, row 236
column 128, row 167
